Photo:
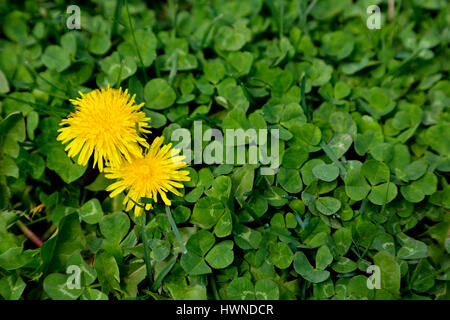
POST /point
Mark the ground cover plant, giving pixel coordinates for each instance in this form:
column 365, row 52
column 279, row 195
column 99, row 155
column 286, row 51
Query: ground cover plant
column 358, row 208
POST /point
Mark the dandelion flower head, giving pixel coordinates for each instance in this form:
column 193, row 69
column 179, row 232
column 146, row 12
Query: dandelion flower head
column 158, row 172
column 106, row 123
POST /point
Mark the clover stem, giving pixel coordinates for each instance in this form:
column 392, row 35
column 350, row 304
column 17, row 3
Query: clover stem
column 214, row 287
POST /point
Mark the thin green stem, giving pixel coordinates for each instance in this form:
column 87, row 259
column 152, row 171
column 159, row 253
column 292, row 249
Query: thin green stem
column 146, row 248
column 173, row 5
column 175, row 229
column 273, row 12
column 135, row 42
column 208, row 30
column 214, row 287
column 249, row 210
column 140, row 205
column 281, row 19
column 413, row 282
column 304, row 105
column 163, row 274
column 300, row 222
column 36, row 74
column 118, row 76
column 362, row 207
column 173, row 70
column 117, row 13
column 307, row 11
column 4, row 186
column 383, row 207
column 40, row 107
column 36, row 220
column 332, row 157
column 286, row 237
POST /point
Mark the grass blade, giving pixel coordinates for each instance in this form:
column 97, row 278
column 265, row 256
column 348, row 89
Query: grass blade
column 175, row 229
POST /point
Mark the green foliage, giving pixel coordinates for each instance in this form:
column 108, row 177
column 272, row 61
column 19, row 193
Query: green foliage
column 364, row 124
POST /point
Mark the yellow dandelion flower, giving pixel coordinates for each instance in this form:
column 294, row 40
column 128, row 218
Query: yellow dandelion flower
column 106, row 122
column 157, row 172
